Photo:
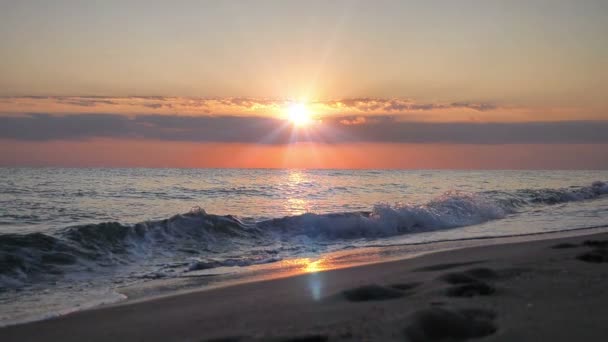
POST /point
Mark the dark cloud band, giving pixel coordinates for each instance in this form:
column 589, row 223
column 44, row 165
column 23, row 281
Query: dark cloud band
column 235, row 129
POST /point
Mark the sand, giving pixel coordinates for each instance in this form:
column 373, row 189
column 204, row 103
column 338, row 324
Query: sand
column 548, row 290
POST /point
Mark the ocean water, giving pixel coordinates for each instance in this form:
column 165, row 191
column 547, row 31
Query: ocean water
column 72, row 238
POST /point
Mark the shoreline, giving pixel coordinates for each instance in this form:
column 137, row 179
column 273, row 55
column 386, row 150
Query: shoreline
column 326, row 262
column 267, row 309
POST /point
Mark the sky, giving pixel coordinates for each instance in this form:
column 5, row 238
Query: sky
column 383, row 84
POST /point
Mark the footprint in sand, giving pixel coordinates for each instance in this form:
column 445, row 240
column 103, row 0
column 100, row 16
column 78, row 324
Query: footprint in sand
column 226, row 339
column 307, row 338
column 477, row 288
column 470, row 283
column 596, row 256
column 372, row 292
column 469, row 276
column 599, row 253
column 303, row 338
column 377, row 292
column 596, row 243
column 439, row 324
column 565, row 245
column 406, row 286
column 588, row 243
column 446, row 266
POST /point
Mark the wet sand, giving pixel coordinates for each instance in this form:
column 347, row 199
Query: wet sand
column 547, row 290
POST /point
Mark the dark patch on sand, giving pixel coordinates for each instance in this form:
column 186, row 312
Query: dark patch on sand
column 226, row 339
column 306, row 338
column 371, row 292
column 405, row 286
column 457, row 278
column 439, row 324
column 564, row 245
column 599, row 253
column 477, row 274
column 437, row 303
column 596, row 243
column 477, row 288
column 473, row 275
column 483, row 273
column 469, row 283
column 302, row 338
column 596, row 256
column 446, row 266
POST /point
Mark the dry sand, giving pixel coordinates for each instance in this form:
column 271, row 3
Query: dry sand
column 549, row 290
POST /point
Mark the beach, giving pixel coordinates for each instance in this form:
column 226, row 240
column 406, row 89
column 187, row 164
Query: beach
column 303, row 171
column 551, row 289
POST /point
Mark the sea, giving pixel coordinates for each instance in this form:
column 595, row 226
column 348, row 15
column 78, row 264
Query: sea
column 75, row 238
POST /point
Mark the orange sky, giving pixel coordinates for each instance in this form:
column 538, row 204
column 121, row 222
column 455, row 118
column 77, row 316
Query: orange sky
column 120, row 153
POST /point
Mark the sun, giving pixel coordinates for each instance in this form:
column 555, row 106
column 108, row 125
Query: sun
column 298, row 114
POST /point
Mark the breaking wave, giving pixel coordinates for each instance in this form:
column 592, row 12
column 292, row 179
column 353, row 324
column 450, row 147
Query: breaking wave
column 209, row 239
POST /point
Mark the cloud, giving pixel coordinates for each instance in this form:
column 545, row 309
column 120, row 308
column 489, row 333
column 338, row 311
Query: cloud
column 86, row 102
column 368, row 104
column 390, row 129
column 482, row 107
column 264, row 130
column 359, row 120
column 223, row 105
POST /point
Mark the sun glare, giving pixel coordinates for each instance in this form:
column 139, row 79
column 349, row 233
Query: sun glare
column 298, row 114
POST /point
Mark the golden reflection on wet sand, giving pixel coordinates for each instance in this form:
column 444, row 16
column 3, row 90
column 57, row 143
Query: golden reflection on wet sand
column 308, row 265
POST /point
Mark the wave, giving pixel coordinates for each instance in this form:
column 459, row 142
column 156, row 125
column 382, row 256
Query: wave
column 525, row 197
column 27, row 258
column 36, row 256
column 195, row 227
column 450, row 210
column 196, row 265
